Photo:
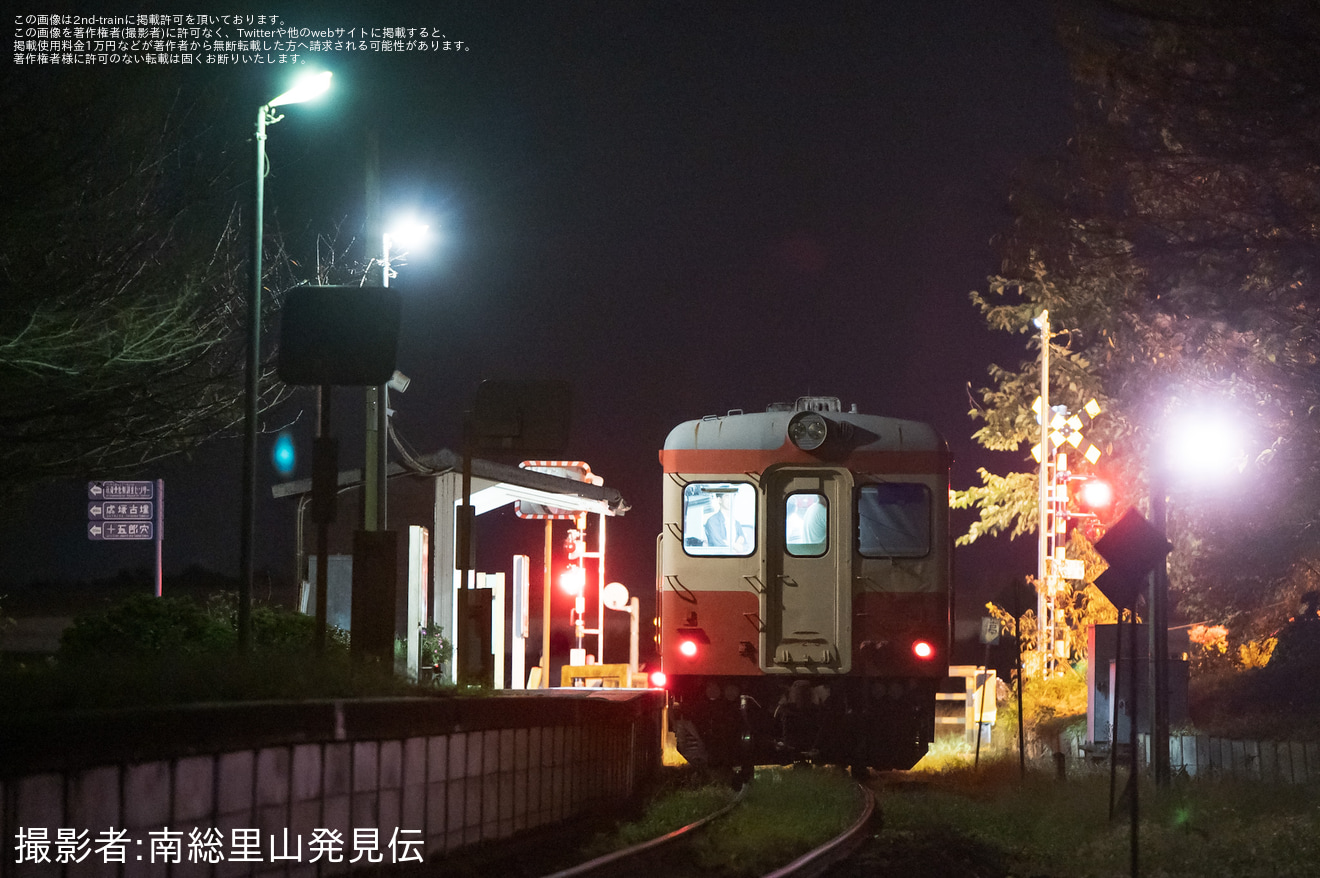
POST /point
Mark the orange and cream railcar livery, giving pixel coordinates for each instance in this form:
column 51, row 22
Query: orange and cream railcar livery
column 804, row 586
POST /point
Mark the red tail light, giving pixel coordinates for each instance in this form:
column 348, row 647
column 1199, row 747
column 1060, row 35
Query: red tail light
column 922, row 649
column 658, row 679
column 688, row 648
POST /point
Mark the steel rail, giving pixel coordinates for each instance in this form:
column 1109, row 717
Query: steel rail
column 815, row 862
column 809, row 865
column 638, row 849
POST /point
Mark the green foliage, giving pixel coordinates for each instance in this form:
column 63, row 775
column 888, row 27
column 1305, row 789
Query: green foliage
column 144, row 625
column 148, row 650
column 669, row 810
column 786, row 813
column 1176, row 246
column 1005, row 503
column 436, row 648
column 991, row 822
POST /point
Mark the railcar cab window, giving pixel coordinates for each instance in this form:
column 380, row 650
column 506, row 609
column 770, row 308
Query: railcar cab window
column 893, row 520
column 719, row 519
column 806, row 524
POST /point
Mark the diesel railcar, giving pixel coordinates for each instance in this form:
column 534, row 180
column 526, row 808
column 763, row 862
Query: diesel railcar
column 804, row 579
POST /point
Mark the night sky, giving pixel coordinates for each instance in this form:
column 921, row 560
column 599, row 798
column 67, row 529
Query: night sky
column 681, row 208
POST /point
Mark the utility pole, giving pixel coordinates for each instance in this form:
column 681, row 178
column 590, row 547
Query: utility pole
column 373, row 464
column 1044, row 601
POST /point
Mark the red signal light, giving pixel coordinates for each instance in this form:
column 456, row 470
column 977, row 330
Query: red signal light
column 658, row 679
column 1094, row 494
column 688, row 648
column 922, row 649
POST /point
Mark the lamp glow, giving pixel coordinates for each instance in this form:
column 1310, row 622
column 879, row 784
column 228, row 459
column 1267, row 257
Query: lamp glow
column 573, row 580
column 1204, row 446
column 305, row 89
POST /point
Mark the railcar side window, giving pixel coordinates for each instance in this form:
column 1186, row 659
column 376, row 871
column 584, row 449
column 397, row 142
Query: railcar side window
column 806, row 524
column 719, row 519
column 893, row 520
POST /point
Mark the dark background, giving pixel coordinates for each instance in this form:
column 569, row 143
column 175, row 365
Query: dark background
column 681, row 208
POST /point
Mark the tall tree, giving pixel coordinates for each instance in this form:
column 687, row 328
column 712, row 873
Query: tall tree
column 1175, row 245
column 122, row 274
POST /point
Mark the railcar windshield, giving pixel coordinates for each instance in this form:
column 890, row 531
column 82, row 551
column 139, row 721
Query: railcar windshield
column 806, row 524
column 893, row 520
column 719, row 519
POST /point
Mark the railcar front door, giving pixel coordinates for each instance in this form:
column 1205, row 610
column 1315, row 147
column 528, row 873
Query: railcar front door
column 808, row 596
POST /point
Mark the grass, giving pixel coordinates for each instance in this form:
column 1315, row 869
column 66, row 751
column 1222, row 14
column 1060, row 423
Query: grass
column 1039, row 826
column 785, row 813
column 674, row 806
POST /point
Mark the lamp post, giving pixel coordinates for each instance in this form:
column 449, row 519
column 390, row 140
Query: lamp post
column 1158, row 643
column 376, row 466
column 1198, row 444
column 1043, row 604
column 304, row 89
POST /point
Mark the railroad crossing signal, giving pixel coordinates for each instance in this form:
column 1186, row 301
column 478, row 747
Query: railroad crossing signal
column 1067, row 428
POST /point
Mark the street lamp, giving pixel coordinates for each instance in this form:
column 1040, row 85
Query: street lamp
column 375, row 488
column 1200, row 444
column 305, row 89
column 404, row 236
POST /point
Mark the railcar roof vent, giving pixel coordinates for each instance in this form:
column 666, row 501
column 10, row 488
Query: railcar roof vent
column 779, row 407
column 818, row 404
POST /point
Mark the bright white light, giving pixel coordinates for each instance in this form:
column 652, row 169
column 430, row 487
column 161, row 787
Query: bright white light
column 407, row 234
column 1204, row 445
column 307, row 87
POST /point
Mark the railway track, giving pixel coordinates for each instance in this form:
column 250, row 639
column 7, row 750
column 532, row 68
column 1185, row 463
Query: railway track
column 675, row 854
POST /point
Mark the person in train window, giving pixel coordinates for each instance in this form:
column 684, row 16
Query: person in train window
column 805, row 525
column 721, row 528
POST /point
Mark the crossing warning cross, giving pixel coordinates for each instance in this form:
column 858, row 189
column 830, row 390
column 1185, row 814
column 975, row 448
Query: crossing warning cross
column 1067, row 428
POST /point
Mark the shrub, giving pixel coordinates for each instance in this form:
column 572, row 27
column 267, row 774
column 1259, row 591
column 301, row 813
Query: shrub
column 142, row 626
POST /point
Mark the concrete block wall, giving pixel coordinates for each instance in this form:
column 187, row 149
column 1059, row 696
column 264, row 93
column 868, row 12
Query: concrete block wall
column 380, row 781
column 1278, row 761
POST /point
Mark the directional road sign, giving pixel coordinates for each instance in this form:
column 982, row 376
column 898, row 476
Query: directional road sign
column 120, row 530
column 143, row 490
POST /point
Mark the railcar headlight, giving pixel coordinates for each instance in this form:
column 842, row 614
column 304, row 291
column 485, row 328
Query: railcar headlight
column 808, row 430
